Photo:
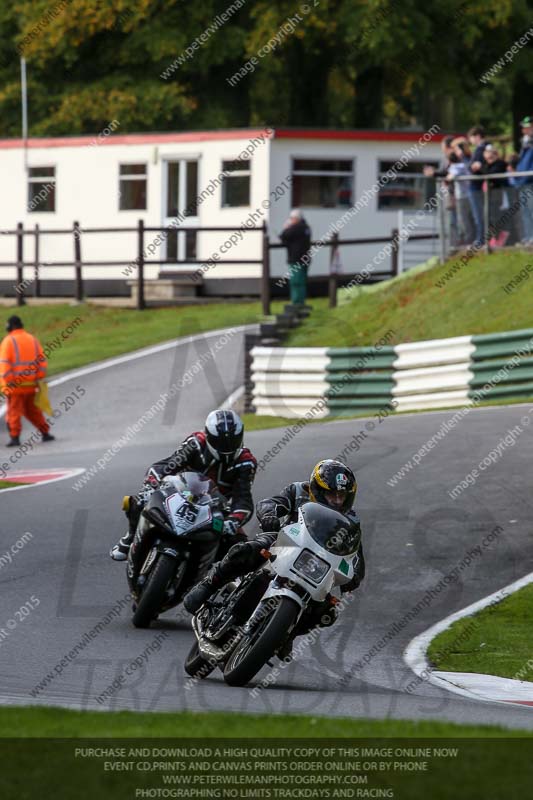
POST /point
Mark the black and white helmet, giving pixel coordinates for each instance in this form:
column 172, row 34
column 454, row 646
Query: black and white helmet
column 224, row 433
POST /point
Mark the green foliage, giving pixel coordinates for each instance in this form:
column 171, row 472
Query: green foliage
column 342, row 63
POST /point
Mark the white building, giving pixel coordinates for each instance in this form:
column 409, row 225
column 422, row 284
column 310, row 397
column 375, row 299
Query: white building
column 226, row 178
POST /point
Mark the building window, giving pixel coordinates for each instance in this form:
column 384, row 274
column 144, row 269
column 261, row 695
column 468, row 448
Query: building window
column 236, row 184
column 182, row 196
column 132, row 187
column 321, row 183
column 409, row 189
column 42, row 189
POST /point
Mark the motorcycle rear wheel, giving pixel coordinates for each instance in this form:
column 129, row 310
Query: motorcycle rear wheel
column 153, row 594
column 252, row 652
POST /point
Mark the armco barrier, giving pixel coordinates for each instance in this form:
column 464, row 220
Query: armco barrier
column 295, row 382
column 360, row 379
column 289, row 381
column 502, row 365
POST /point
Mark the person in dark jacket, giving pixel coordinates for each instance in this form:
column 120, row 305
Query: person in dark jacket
column 476, row 137
column 217, row 453
column 493, row 164
column 442, row 170
column 524, row 183
column 332, row 484
column 515, row 223
column 296, row 236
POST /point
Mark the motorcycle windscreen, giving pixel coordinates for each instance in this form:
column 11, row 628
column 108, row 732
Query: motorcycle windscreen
column 186, row 517
column 330, row 529
column 198, row 488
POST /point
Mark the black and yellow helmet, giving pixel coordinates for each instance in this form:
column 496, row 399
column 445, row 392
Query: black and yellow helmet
column 333, row 484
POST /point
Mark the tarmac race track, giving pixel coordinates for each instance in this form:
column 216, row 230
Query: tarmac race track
column 415, row 534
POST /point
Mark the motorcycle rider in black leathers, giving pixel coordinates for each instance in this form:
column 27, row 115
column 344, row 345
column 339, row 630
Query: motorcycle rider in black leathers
column 333, row 484
column 217, row 453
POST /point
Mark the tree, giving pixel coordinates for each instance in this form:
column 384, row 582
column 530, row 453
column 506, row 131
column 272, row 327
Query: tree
column 168, row 65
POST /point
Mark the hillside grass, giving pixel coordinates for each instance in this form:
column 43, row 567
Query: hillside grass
column 105, row 332
column 472, row 301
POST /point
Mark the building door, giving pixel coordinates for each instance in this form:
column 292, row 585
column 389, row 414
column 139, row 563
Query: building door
column 181, row 197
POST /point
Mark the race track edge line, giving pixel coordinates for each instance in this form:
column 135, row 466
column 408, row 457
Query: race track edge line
column 96, row 366
column 70, row 473
column 415, row 654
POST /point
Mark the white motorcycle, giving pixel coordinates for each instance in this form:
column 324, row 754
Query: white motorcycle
column 246, row 623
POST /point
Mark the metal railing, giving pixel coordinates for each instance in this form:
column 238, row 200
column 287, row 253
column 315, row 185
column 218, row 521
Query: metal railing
column 487, row 179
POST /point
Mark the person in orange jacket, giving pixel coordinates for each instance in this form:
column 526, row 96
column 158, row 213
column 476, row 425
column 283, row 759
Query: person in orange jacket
column 22, row 365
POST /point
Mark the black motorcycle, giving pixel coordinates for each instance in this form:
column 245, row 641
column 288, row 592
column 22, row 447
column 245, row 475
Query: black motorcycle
column 177, row 540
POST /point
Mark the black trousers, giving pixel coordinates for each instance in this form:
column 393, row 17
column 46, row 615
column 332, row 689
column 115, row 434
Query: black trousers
column 246, row 557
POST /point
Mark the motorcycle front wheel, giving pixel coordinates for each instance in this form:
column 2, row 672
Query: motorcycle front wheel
column 153, row 594
column 254, row 650
column 196, row 665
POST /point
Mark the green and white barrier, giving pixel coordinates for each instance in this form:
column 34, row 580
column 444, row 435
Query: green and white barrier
column 360, row 379
column 502, row 365
column 433, row 373
column 289, row 381
column 316, row 381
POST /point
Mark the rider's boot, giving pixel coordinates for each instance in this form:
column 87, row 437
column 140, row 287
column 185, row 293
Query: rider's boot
column 197, row 596
column 132, row 508
column 241, row 558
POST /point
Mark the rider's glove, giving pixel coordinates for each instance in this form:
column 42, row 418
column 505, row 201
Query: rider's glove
column 231, row 527
column 151, row 479
column 270, row 523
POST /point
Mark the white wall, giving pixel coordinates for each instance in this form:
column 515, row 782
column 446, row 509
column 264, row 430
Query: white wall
column 87, row 181
column 366, row 223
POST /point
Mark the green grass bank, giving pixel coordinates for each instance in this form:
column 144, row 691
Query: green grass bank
column 471, row 299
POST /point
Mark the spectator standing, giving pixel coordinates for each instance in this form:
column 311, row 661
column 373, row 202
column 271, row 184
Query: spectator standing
column 458, row 169
column 441, row 171
column 296, row 236
column 525, row 184
column 476, row 137
column 22, row 365
column 515, row 224
column 498, row 200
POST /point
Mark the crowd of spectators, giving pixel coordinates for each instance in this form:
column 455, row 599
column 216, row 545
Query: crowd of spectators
column 473, row 154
